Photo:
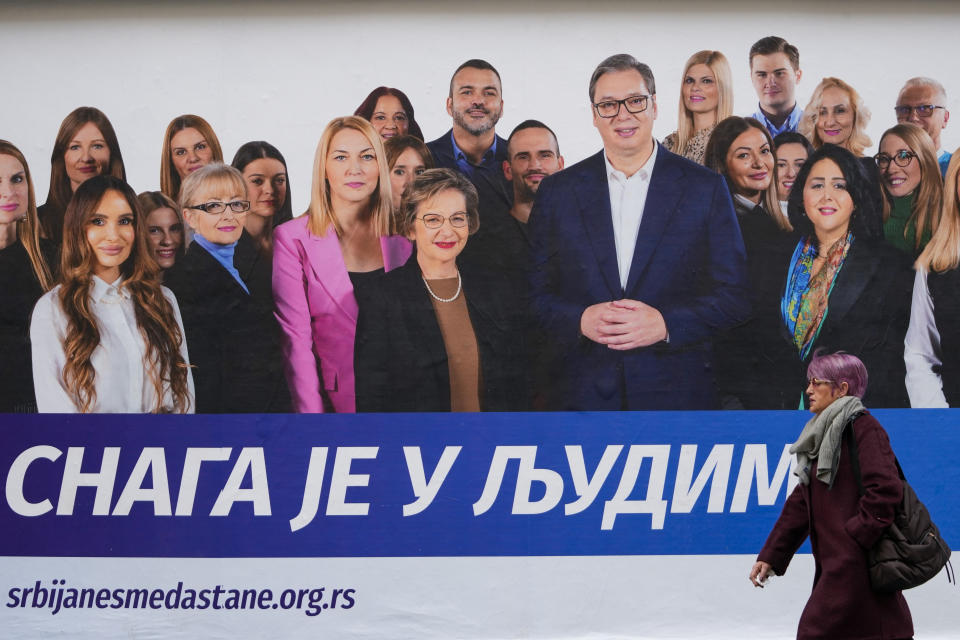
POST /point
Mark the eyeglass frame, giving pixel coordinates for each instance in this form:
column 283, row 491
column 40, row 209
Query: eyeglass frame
column 443, row 218
column 203, row 207
column 883, row 164
column 816, row 382
column 908, row 110
column 622, row 104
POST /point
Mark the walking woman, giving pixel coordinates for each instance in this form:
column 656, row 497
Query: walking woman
column 109, row 338
column 320, row 258
column 827, row 506
column 26, row 262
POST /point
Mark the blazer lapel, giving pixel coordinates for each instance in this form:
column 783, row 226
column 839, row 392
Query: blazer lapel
column 666, row 189
column 395, row 250
column 857, row 270
column 330, row 272
column 593, row 199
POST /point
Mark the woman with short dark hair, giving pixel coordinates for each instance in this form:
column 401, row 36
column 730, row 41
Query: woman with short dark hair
column 431, row 337
column 827, row 506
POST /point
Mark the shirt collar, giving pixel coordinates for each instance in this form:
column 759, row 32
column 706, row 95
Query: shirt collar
column 790, row 124
column 750, row 205
column 459, row 155
column 109, row 292
column 616, row 174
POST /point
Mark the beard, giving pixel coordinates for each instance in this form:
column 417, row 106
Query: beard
column 477, row 128
column 523, row 192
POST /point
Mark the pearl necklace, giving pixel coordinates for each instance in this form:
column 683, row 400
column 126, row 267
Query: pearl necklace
column 438, row 298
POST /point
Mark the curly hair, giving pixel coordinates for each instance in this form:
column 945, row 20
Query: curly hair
column 154, row 313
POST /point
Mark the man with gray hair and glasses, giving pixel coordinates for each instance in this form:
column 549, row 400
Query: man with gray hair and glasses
column 637, row 262
column 923, row 102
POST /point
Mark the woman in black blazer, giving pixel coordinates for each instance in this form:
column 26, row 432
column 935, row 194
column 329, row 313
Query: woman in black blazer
column 846, row 290
column 227, row 309
column 430, row 337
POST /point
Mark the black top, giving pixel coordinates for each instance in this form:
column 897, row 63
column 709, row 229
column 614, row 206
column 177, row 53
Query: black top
column 945, row 292
column 867, row 316
column 19, row 292
column 360, row 279
column 233, row 338
column 400, row 359
column 747, row 355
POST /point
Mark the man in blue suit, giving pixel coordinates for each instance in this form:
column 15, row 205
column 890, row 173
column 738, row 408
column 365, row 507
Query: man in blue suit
column 637, row 262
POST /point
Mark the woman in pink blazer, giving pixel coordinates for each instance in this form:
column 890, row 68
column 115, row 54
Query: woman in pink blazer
column 318, row 258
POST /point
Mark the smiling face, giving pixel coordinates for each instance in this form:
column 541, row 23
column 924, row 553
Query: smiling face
column 475, row 102
column 14, row 190
column 700, row 91
column 189, row 151
column 408, row 166
column 750, row 164
column 111, row 235
column 437, row 249
column 775, row 81
column 626, row 133
column 899, row 181
column 165, row 235
column 532, row 156
column 836, row 117
column 87, row 155
column 827, row 202
column 266, row 180
column 790, row 159
column 389, row 118
column 352, row 170
column 915, row 96
column 219, row 228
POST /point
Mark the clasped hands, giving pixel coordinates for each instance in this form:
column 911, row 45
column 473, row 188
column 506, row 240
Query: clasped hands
column 623, row 324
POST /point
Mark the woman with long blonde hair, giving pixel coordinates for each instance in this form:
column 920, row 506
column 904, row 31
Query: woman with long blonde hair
column 109, row 338
column 913, row 185
column 706, row 98
column 342, row 241
column 932, row 345
column 25, row 274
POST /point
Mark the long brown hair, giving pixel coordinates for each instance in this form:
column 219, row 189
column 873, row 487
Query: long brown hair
column 28, row 229
column 169, row 178
column 154, row 313
column 942, row 253
column 928, row 197
column 60, row 190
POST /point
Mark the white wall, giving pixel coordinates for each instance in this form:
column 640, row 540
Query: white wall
column 281, row 70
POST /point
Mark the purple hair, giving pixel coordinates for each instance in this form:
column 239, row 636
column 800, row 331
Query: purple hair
column 840, row 367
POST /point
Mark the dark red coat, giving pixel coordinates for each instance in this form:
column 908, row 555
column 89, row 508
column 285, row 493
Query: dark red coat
column 842, row 526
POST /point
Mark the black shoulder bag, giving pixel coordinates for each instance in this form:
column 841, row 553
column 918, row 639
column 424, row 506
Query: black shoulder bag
column 910, row 551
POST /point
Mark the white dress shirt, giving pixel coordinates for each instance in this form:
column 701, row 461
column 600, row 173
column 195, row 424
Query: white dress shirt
column 122, row 382
column 628, row 196
column 921, row 352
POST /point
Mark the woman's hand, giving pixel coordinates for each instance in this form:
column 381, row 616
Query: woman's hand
column 760, row 572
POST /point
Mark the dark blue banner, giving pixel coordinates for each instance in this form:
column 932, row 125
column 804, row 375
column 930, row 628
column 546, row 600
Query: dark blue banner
column 423, row 484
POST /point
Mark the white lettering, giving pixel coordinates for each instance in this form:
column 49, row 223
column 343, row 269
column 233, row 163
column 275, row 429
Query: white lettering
column 312, row 489
column 250, row 458
column 342, row 479
column 686, row 491
column 588, row 490
column 151, row 459
column 653, row 503
column 425, row 491
column 195, row 457
column 754, row 464
column 17, row 474
column 102, row 480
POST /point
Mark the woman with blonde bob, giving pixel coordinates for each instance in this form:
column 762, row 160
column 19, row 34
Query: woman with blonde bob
column 188, row 144
column 319, row 258
column 932, row 345
column 86, row 146
column 109, row 339
column 25, row 274
column 914, row 187
column 706, row 98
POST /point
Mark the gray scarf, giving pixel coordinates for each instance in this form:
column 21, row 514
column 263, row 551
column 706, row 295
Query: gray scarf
column 820, row 439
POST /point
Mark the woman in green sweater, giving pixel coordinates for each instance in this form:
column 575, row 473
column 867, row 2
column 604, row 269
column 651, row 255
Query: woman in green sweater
column 913, row 185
